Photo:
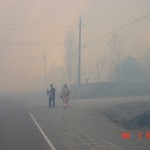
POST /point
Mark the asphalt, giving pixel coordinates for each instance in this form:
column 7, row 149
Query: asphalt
column 82, row 126
column 17, row 129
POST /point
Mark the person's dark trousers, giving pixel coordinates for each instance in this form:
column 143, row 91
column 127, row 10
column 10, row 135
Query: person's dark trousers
column 52, row 99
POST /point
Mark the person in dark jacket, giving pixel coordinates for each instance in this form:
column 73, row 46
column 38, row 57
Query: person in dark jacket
column 51, row 94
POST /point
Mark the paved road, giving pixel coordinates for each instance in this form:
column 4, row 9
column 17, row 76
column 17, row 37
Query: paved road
column 83, row 126
column 80, row 127
column 17, row 129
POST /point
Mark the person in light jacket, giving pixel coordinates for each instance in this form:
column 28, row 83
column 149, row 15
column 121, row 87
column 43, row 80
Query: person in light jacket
column 65, row 93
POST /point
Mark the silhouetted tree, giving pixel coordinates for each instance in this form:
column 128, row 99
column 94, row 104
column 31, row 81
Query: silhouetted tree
column 70, row 53
column 130, row 70
column 100, row 64
column 115, row 46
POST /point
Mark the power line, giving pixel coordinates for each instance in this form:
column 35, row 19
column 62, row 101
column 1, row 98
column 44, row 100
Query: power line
column 122, row 10
column 122, row 27
column 35, row 28
column 30, row 43
column 119, row 11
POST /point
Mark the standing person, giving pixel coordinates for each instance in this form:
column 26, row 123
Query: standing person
column 51, row 94
column 65, row 95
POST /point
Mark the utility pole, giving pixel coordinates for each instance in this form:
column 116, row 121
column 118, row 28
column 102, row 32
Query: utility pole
column 87, row 80
column 79, row 58
column 44, row 58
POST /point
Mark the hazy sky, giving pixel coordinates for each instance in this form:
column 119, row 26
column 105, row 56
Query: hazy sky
column 30, row 27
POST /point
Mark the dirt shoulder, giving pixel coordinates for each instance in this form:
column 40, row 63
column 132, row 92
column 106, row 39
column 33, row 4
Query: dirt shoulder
column 130, row 115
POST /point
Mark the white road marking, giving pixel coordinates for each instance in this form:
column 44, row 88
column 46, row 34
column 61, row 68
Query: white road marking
column 42, row 132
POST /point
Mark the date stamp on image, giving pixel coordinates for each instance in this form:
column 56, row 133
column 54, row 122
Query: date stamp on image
column 140, row 135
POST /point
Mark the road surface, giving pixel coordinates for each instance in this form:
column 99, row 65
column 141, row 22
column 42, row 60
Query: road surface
column 28, row 124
